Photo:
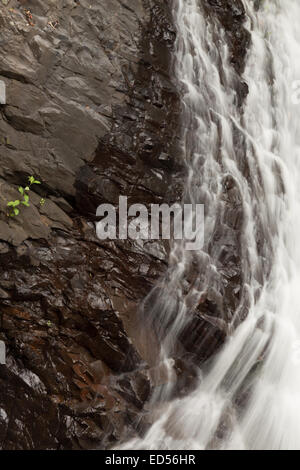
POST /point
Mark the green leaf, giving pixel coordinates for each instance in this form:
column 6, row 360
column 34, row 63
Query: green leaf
column 25, row 203
column 13, row 203
column 27, row 188
column 37, row 182
column 21, row 190
column 26, row 197
column 16, row 211
column 31, row 179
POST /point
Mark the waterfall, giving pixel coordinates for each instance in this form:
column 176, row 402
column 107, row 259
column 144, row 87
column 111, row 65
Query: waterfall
column 246, row 157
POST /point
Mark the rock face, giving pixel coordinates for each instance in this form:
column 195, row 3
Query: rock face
column 231, row 15
column 93, row 114
column 92, row 111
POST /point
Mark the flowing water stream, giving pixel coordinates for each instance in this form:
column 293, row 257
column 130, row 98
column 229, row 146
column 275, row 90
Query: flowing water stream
column 249, row 396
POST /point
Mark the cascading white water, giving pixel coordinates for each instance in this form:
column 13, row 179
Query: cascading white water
column 250, row 397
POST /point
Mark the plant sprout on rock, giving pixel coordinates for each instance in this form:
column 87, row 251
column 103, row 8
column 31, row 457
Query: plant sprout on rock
column 15, row 205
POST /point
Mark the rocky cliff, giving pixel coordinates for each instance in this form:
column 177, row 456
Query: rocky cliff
column 93, row 112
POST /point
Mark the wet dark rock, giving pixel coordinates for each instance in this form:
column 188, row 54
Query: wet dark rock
column 135, row 388
column 94, row 115
column 232, row 16
column 93, row 112
column 187, row 375
column 203, row 336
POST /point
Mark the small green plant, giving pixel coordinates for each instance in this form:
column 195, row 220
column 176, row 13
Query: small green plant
column 15, row 205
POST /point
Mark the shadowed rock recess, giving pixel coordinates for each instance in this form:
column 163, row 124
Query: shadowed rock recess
column 93, row 112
